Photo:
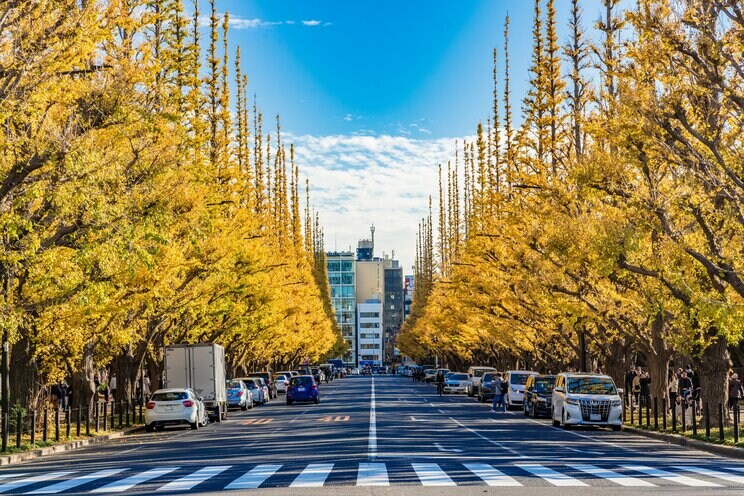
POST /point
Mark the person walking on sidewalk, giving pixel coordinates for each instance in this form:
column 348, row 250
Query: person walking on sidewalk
column 498, row 394
column 735, row 393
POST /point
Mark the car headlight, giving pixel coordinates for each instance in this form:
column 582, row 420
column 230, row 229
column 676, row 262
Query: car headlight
column 616, row 403
column 571, row 401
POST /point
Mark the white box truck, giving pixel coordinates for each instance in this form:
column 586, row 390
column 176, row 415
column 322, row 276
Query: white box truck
column 200, row 367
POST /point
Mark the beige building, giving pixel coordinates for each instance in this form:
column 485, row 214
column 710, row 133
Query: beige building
column 370, row 280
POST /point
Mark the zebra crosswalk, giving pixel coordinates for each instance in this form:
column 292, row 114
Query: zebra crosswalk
column 178, row 480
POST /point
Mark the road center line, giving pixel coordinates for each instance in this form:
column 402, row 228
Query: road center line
column 372, row 448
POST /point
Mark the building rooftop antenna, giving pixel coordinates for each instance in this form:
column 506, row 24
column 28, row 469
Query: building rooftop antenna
column 372, row 230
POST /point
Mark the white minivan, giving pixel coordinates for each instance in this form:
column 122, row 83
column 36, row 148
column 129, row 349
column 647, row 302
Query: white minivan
column 516, row 379
column 586, row 399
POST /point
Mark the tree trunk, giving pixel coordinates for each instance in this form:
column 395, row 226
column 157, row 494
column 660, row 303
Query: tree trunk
column 25, row 380
column 83, row 385
column 658, row 357
column 616, row 361
column 713, row 368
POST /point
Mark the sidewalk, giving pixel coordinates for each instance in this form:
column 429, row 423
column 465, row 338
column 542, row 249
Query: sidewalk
column 63, row 447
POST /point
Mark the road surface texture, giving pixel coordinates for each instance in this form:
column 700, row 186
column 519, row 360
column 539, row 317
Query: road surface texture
column 381, row 435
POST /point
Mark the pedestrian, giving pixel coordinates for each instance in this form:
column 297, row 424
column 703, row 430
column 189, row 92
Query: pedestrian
column 685, row 385
column 637, row 386
column 673, row 389
column 440, row 382
column 112, row 386
column 629, row 386
column 498, row 394
column 735, row 393
column 645, row 383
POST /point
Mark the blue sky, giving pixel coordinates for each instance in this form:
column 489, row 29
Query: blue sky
column 374, row 94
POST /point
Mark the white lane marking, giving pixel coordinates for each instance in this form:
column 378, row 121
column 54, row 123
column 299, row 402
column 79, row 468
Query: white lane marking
column 663, row 474
column 10, row 486
column 738, row 469
column 414, row 419
column 10, row 476
column 130, row 482
column 254, row 477
column 372, row 447
column 550, row 475
column 486, row 439
column 189, row 481
column 430, row 474
column 441, row 448
column 490, row 475
column 713, row 473
column 440, row 411
column 78, row 481
column 586, row 452
column 372, row 474
column 615, row 477
column 314, row 475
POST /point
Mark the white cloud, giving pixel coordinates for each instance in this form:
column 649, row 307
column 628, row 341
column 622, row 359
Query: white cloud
column 312, row 22
column 348, row 117
column 255, row 23
column 357, row 180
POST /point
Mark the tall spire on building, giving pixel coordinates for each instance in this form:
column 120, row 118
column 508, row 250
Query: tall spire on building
column 372, row 230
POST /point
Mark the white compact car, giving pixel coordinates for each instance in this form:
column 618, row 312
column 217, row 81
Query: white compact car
column 586, row 399
column 175, row 407
column 515, row 392
column 457, row 383
column 281, row 381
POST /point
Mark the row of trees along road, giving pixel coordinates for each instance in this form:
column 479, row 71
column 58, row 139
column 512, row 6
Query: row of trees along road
column 614, row 214
column 142, row 204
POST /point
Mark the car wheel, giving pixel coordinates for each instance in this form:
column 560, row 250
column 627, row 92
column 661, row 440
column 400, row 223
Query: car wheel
column 244, row 406
column 534, row 413
column 565, row 424
column 617, row 428
column 250, row 405
column 470, row 393
column 524, row 410
column 317, row 400
column 289, row 402
column 149, row 427
column 555, row 422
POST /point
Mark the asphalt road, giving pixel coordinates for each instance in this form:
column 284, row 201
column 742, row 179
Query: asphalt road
column 382, row 435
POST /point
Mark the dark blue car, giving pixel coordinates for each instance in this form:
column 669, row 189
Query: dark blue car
column 302, row 388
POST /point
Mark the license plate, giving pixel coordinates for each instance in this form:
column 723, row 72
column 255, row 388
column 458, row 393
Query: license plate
column 300, row 389
column 595, row 417
column 168, row 408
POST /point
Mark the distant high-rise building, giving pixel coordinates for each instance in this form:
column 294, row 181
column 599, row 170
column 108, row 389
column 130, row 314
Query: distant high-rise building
column 408, row 296
column 342, row 280
column 369, row 321
column 393, row 307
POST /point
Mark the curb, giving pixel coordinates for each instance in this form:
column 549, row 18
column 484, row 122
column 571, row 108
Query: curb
column 716, row 449
column 61, row 448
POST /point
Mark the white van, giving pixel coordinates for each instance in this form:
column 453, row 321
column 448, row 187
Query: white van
column 475, row 374
column 586, row 399
column 516, row 379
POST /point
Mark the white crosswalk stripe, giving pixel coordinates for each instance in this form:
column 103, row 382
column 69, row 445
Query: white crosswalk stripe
column 189, row 481
column 314, row 475
column 254, row 477
column 550, row 475
column 122, row 485
column 491, row 476
column 12, row 486
column 670, row 476
column 612, row 476
column 431, row 474
column 77, row 481
column 739, row 479
column 372, row 474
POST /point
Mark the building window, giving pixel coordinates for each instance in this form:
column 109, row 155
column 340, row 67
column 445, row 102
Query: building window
column 369, row 335
column 334, row 266
column 369, row 315
column 369, row 347
column 347, row 278
column 369, row 325
column 346, row 266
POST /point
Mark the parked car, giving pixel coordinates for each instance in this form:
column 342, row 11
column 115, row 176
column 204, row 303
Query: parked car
column 238, row 395
column 355, row 371
column 286, row 373
column 266, row 376
column 516, row 379
column 538, row 393
column 430, row 375
column 485, row 390
column 176, row 406
column 475, row 373
column 302, row 388
column 259, row 396
column 586, row 399
column 281, row 382
column 262, row 384
column 457, row 383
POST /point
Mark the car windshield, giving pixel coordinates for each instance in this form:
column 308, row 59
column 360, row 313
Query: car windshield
column 479, row 372
column 544, row 384
column 280, row 378
column 233, row 384
column 591, row 385
column 301, row 381
column 458, row 377
column 429, row 371
column 488, row 377
column 170, row 396
column 519, row 379
column 250, row 384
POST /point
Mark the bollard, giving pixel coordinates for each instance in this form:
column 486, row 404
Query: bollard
column 33, row 428
column 142, row 414
column 664, row 417
column 97, row 418
column 87, row 421
column 694, row 418
column 648, row 412
column 736, row 424
column 121, row 419
column 656, row 413
column 45, row 431
column 706, row 418
column 684, row 416
column 78, row 420
column 56, row 424
column 674, row 418
column 19, row 428
column 127, row 412
column 113, row 415
column 631, row 411
column 67, row 422
column 720, row 422
column 105, row 416
column 624, row 407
